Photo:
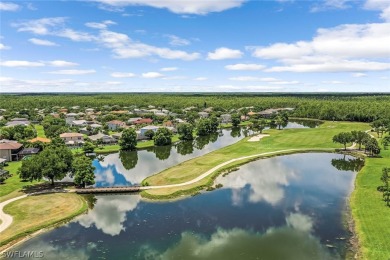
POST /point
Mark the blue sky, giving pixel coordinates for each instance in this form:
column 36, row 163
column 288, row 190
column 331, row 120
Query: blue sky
column 195, row 46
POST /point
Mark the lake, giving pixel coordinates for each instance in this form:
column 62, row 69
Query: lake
column 287, row 207
column 129, row 168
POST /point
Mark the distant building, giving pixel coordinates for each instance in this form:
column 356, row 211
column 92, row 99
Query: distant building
column 16, row 122
column 203, row 114
column 27, row 152
column 115, row 124
column 9, row 150
column 226, row 118
column 168, row 123
column 143, row 121
column 40, row 139
column 106, row 139
column 89, row 110
column 72, row 138
column 79, row 123
column 134, row 119
column 147, row 128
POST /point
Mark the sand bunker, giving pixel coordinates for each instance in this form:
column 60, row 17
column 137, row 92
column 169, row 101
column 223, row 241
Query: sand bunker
column 257, row 138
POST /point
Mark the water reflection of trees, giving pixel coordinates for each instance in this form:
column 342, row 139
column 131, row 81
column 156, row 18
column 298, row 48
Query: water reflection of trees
column 162, row 152
column 344, row 164
column 129, row 159
column 308, row 123
column 235, row 132
column 184, row 148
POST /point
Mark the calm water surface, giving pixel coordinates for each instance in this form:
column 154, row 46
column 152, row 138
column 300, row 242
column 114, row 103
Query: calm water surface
column 288, row 207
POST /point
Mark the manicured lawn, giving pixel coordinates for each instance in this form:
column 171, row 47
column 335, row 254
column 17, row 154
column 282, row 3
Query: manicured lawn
column 310, row 139
column 40, row 131
column 36, row 212
column 371, row 215
column 12, row 186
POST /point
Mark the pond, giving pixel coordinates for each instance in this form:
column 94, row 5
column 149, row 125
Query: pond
column 287, row 207
column 127, row 168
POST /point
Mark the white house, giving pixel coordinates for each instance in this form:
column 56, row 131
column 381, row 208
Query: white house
column 72, row 138
column 146, row 128
column 203, row 114
column 115, row 124
column 226, row 118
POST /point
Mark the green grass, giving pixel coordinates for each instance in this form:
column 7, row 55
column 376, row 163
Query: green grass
column 40, row 131
column 40, row 212
column 12, row 186
column 309, row 139
column 370, row 213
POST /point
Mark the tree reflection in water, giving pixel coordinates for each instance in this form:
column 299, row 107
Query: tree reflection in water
column 129, row 159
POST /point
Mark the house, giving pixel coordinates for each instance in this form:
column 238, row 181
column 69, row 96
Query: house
column 147, row 128
column 244, row 118
column 79, row 123
column 84, row 131
column 27, row 152
column 226, row 118
column 209, row 109
column 106, row 139
column 120, row 112
column 117, row 136
column 115, row 124
column 70, row 117
column 75, row 107
column 143, row 121
column 16, row 122
column 251, row 113
column 94, row 126
column 268, row 113
column 203, row 114
column 9, row 150
column 89, row 110
column 40, row 139
column 72, row 138
column 168, row 123
column 179, row 120
column 133, row 119
column 63, row 110
column 161, row 114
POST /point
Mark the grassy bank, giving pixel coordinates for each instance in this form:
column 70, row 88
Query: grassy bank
column 13, row 185
column 41, row 211
column 306, row 139
column 371, row 216
column 40, row 131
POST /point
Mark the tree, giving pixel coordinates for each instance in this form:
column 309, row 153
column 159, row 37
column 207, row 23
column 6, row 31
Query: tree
column 279, row 121
column 83, row 171
column 236, row 120
column 185, row 131
column 203, row 127
column 128, row 140
column 88, row 147
column 162, row 137
column 53, row 163
column 386, row 141
column 149, row 133
column 358, row 137
column 385, row 178
column 214, row 123
column 343, row 138
column 372, row 146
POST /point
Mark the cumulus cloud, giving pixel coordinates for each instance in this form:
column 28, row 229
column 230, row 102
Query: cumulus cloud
column 380, row 5
column 8, row 6
column 21, row 63
column 124, row 47
column 347, row 48
column 42, row 42
column 224, row 53
column 102, row 25
column 4, row 47
column 169, row 69
column 152, row 75
column 61, row 63
column 179, row 6
column 177, row 41
column 73, row 72
column 241, row 66
column 122, row 75
column 200, row 78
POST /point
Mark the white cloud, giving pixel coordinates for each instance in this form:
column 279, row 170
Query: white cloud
column 241, row 66
column 4, row 47
column 40, row 26
column 152, row 75
column 300, row 222
column 330, row 4
column 250, row 78
column 20, row 63
column 174, row 78
column 200, row 78
column 333, row 82
column 380, row 5
column 61, row 63
column 177, row 41
column 102, row 25
column 359, row 75
column 169, row 69
column 335, row 66
column 73, row 72
column 350, row 47
column 7, row 6
column 42, row 42
column 179, row 6
column 122, row 75
column 52, row 26
column 124, row 47
column 224, row 53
